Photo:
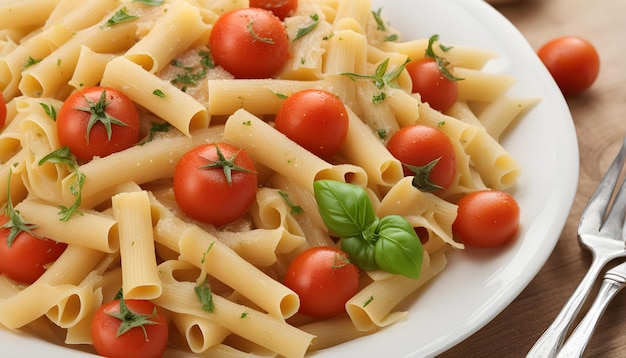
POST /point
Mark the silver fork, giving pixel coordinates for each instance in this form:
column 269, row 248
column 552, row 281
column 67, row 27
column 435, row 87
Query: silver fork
column 613, row 282
column 604, row 239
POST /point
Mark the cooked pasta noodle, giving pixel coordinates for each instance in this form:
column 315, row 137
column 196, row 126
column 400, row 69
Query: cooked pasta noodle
column 128, row 233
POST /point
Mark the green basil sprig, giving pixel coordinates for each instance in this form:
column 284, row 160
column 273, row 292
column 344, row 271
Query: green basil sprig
column 389, row 243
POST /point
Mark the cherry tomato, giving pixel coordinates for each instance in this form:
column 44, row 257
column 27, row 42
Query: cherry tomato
column 249, row 43
column 486, row 218
column 134, row 342
column 280, row 8
column 26, row 259
column 315, row 119
column 202, row 189
column 433, row 87
column 417, row 146
column 85, row 115
column 324, row 280
column 3, row 111
column 573, row 62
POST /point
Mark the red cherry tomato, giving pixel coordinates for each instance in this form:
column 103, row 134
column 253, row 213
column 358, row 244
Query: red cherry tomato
column 315, row 119
column 249, row 43
column 201, row 187
column 324, row 280
column 3, row 111
column 417, row 146
column 134, row 342
column 112, row 108
column 486, row 218
column 280, row 8
column 26, row 259
column 440, row 92
column 573, row 62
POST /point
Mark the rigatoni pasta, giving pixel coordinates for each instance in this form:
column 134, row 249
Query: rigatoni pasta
column 128, row 233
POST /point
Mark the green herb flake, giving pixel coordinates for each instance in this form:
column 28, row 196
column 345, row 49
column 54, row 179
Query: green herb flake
column 189, row 77
column 442, row 63
column 50, row 111
column 119, row 17
column 203, row 292
column 159, row 93
column 156, row 128
column 16, row 224
column 305, row 30
column 380, row 24
column 379, row 98
column 63, row 155
column 244, row 314
column 205, row 59
column 382, row 133
column 391, row 38
column 369, row 300
column 150, row 2
column 295, row 209
column 206, row 252
column 256, row 37
column 278, row 94
column 381, row 77
column 31, row 61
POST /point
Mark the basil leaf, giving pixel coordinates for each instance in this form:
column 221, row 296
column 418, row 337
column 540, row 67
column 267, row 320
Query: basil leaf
column 398, row 249
column 360, row 251
column 345, row 208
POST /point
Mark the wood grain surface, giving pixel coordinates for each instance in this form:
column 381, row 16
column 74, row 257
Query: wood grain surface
column 600, row 119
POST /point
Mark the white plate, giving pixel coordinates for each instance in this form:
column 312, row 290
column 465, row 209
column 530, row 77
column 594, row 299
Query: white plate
column 477, row 284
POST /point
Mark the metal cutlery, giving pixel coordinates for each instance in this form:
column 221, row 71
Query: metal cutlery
column 613, row 281
column 600, row 233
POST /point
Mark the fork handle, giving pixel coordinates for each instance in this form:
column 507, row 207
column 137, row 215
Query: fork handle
column 576, row 344
column 549, row 343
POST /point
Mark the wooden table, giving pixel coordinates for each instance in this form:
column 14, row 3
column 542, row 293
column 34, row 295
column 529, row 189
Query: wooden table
column 600, row 119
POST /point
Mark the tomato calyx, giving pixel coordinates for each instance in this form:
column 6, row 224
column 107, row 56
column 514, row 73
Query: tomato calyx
column 99, row 114
column 421, row 176
column 442, row 63
column 15, row 223
column 131, row 319
column 227, row 165
column 340, row 260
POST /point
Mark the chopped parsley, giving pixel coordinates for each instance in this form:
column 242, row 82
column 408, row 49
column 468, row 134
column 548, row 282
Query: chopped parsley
column 203, row 292
column 31, row 61
column 63, row 155
column 442, row 63
column 305, row 30
column 15, row 223
column 50, row 111
column 119, row 17
column 150, row 2
column 295, row 209
column 159, row 93
column 191, row 76
column 156, row 128
column 380, row 24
